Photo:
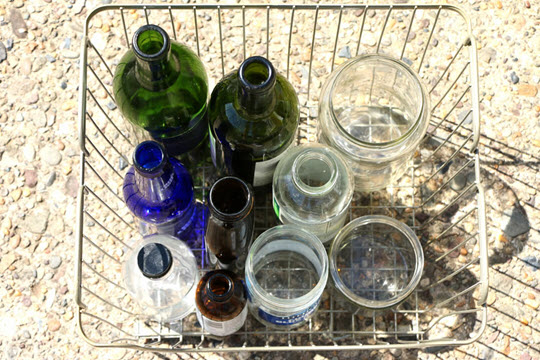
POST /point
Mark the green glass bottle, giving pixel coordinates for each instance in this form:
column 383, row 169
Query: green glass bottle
column 161, row 86
column 253, row 115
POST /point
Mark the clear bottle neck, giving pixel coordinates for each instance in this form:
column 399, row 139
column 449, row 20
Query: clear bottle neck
column 256, row 79
column 314, row 174
column 155, row 68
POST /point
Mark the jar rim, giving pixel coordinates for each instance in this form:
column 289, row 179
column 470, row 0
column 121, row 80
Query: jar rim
column 401, row 228
column 238, row 214
column 307, row 189
column 153, row 56
column 400, row 64
column 270, row 301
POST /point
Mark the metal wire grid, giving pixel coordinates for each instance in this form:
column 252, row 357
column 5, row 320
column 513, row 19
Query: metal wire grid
column 442, row 311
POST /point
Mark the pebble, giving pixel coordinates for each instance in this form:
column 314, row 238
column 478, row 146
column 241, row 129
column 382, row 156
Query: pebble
column 111, row 105
column 467, row 115
column 55, row 262
column 515, row 222
column 527, row 90
column 51, row 179
column 70, row 54
column 68, row 105
column 30, row 178
column 458, row 182
column 50, row 58
column 50, row 155
column 514, row 78
column 122, row 163
column 67, row 43
column 18, row 25
column 32, row 98
column 16, row 194
column 29, row 153
column 9, row 44
column 63, row 85
column 36, row 221
column 53, row 325
column 72, row 186
column 14, row 241
column 3, row 52
column 345, row 52
column 532, row 261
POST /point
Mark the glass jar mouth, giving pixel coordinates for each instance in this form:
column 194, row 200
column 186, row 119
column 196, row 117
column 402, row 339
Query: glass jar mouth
column 240, row 188
column 270, row 301
column 388, row 60
column 311, row 159
column 338, row 244
column 151, row 43
column 257, row 74
column 220, row 280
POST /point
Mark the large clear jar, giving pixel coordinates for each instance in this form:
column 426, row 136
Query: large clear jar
column 286, row 272
column 313, row 189
column 161, row 275
column 375, row 111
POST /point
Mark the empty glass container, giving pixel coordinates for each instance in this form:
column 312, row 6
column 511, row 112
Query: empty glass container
column 313, row 189
column 161, row 275
column 375, row 111
column 376, row 261
column 286, row 272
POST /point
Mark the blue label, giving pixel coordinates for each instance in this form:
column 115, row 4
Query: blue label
column 290, row 319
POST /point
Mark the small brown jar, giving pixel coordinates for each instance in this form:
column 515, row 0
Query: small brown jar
column 221, row 302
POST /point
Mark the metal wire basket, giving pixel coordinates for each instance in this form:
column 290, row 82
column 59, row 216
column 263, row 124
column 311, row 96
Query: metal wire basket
column 441, row 197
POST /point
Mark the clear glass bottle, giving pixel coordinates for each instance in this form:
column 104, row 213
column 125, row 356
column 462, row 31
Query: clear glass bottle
column 313, row 189
column 160, row 273
column 159, row 191
column 253, row 115
column 375, row 111
column 221, row 302
column 161, row 86
column 230, row 227
column 286, row 273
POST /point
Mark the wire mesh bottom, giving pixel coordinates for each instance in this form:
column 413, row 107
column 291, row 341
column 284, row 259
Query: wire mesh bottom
column 440, row 197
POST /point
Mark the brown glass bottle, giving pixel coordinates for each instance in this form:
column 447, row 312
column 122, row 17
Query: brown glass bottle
column 221, row 302
column 230, row 227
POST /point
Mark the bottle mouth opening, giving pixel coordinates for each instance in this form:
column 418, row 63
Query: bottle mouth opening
column 257, row 73
column 151, row 42
column 154, row 260
column 149, row 157
column 230, row 197
column 220, row 287
column 314, row 173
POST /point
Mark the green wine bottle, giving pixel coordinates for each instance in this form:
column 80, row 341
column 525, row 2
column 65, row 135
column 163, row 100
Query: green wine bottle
column 161, row 86
column 253, row 116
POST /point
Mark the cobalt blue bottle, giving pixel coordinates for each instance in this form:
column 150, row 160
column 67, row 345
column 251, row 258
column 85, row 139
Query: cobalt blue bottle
column 159, row 191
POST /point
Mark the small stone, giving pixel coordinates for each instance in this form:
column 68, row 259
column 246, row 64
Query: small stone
column 514, row 78
column 111, row 105
column 26, row 192
column 51, row 179
column 527, row 90
column 407, row 61
column 9, row 44
column 15, row 241
column 68, row 105
column 465, row 116
column 6, row 261
column 16, row 194
column 32, row 98
column 36, row 221
column 463, row 251
column 68, row 315
column 63, row 85
column 25, row 66
column 3, row 52
column 458, row 182
column 345, row 52
column 30, row 178
column 122, row 163
column 63, row 290
column 67, row 43
column 53, row 325
column 66, row 170
column 532, row 303
column 515, row 222
column 72, row 186
column 358, row 12
column 532, row 261
column 18, row 25
column 50, row 155
column 50, row 58
column 29, row 153
column 55, row 262
column 70, row 54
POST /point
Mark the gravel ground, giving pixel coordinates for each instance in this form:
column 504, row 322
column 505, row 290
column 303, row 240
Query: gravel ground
column 39, row 177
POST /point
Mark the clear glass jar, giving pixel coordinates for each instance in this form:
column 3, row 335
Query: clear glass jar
column 376, row 261
column 286, row 272
column 375, row 111
column 161, row 275
column 313, row 189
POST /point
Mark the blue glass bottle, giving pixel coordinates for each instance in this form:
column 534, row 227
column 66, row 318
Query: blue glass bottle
column 159, row 191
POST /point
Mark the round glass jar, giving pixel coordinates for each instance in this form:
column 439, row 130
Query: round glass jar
column 375, row 111
column 376, row 261
column 286, row 272
column 161, row 275
column 313, row 189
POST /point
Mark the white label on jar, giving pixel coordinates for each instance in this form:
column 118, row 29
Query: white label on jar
column 222, row 328
column 289, row 319
column 264, row 170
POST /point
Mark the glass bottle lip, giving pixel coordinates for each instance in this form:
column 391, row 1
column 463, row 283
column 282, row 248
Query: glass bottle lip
column 161, row 53
column 260, row 295
column 234, row 215
column 314, row 190
column 265, row 85
column 339, row 243
column 149, row 157
column 393, row 62
column 220, row 276
column 154, row 260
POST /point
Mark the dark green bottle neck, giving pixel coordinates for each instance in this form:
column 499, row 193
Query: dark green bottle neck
column 155, row 67
column 256, row 82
